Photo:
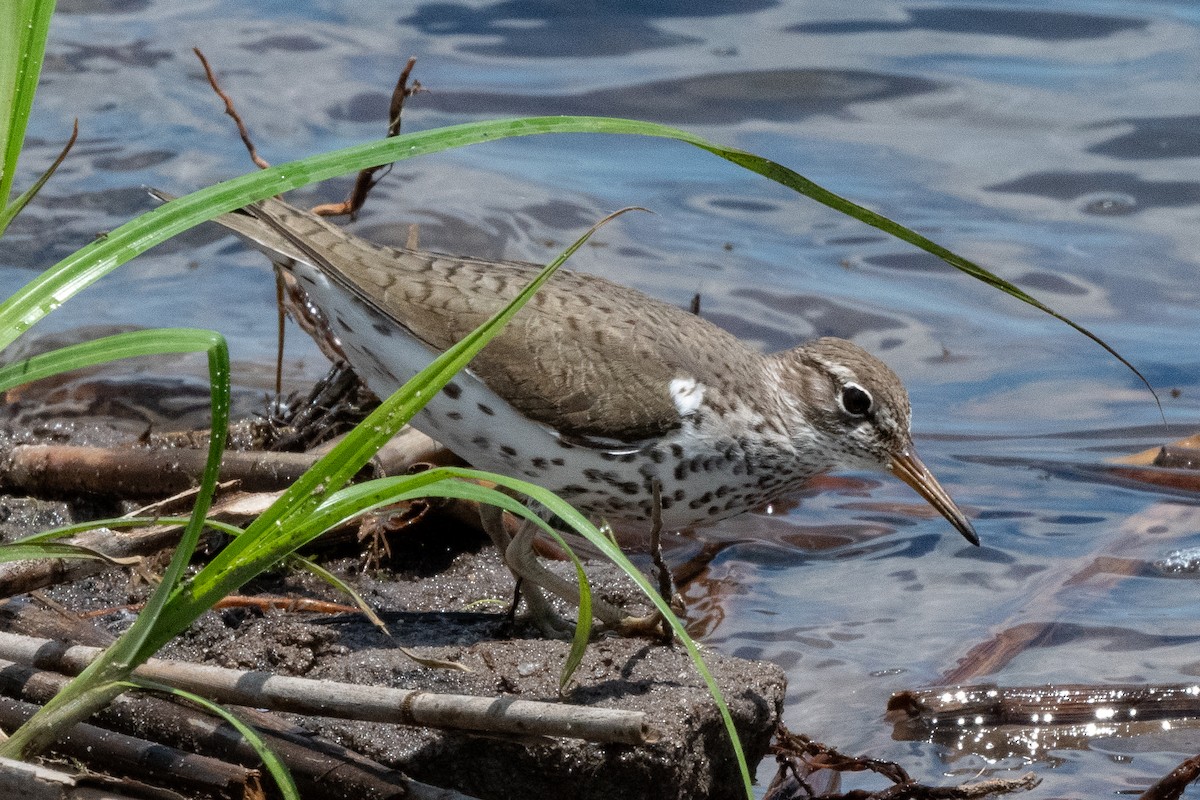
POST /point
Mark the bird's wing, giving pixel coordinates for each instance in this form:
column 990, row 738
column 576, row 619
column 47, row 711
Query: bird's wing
column 592, row 359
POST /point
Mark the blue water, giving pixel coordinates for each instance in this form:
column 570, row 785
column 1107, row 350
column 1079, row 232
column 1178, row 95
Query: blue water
column 1057, row 144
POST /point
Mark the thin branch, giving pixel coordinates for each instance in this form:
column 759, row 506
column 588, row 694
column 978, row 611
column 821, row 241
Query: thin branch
column 258, row 160
column 366, row 179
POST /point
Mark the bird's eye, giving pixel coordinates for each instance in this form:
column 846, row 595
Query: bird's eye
column 855, row 400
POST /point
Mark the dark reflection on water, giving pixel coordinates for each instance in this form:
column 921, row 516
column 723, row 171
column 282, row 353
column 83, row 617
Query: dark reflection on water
column 286, row 43
column 1047, row 26
column 81, row 57
column 1049, row 282
column 1073, row 185
column 721, row 98
column 1152, row 137
column 826, row 318
column 547, row 29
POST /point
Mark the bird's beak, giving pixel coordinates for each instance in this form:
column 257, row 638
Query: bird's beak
column 910, row 469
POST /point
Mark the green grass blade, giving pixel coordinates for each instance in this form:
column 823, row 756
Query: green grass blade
column 24, row 25
column 54, row 287
column 455, row 482
column 275, row 766
column 106, row 349
column 28, row 551
column 100, row 681
column 12, row 209
column 447, row 483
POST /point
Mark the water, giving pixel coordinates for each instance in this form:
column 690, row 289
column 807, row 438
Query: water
column 1054, row 143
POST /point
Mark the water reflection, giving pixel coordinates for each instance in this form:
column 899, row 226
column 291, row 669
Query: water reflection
column 532, row 29
column 1025, row 23
column 722, row 98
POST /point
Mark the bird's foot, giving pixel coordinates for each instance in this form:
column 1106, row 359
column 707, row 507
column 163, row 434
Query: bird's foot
column 652, row 625
column 542, row 615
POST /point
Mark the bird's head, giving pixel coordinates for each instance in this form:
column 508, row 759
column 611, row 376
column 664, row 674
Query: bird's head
column 859, row 411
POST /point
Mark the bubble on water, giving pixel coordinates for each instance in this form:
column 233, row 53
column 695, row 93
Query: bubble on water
column 1108, row 204
column 1179, row 562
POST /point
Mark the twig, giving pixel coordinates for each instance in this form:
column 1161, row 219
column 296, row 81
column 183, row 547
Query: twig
column 1171, row 785
column 40, row 469
column 290, row 605
column 502, row 715
column 280, row 335
column 258, row 160
column 140, row 472
column 366, row 179
column 665, row 588
column 799, row 756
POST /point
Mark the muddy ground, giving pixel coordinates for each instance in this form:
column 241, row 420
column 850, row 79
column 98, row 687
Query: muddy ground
column 443, row 594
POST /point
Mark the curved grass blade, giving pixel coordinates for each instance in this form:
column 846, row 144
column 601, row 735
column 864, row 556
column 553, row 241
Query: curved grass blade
column 121, row 522
column 29, row 551
column 278, row 770
column 793, row 180
column 454, row 482
column 340, row 585
column 106, row 349
column 359, row 498
column 12, row 209
column 69, row 276
column 101, row 680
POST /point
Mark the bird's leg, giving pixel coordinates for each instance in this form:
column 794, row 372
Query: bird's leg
column 518, row 555
column 666, row 584
column 541, row 613
column 524, row 563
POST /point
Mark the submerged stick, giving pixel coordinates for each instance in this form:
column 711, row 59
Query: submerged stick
column 1060, row 704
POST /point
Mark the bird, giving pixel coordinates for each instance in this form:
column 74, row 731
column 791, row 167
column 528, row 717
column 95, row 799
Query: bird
column 612, row 399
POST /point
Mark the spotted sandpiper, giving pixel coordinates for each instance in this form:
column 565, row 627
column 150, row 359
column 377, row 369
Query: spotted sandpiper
column 597, row 391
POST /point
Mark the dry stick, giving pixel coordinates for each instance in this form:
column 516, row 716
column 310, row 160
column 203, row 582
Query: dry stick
column 258, row 160
column 323, row 770
column 280, row 333
column 140, row 472
column 353, row 701
column 396, row 457
column 662, row 571
column 34, row 782
column 290, row 605
column 366, row 181
column 802, row 756
column 309, row 758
